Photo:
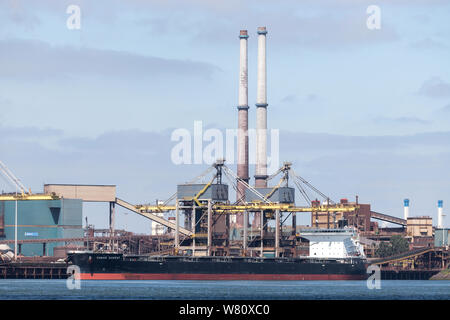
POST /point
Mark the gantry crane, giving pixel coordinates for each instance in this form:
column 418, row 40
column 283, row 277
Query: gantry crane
column 202, row 223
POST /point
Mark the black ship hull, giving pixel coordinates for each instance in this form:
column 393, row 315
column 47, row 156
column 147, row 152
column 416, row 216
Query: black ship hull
column 106, row 266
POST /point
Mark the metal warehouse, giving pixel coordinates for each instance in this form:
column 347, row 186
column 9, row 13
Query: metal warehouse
column 41, row 219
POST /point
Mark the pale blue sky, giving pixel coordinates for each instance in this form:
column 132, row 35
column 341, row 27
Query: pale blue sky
column 70, row 100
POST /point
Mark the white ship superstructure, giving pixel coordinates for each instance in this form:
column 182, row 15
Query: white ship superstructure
column 333, row 243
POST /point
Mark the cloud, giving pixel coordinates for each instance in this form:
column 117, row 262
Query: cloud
column 446, row 108
column 5, row 102
column 171, row 15
column 435, row 88
column 322, row 143
column 338, row 30
column 128, row 141
column 401, row 120
column 290, row 98
column 30, row 59
column 19, row 133
column 308, row 24
column 19, row 15
column 311, row 97
column 422, row 18
column 318, row 29
column 428, row 44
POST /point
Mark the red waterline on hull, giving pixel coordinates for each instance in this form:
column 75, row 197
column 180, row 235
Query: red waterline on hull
column 194, row 276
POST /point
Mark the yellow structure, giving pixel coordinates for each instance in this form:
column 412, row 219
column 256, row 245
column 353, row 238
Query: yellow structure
column 231, row 209
column 21, row 197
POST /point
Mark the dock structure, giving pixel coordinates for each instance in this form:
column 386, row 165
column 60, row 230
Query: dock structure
column 34, row 270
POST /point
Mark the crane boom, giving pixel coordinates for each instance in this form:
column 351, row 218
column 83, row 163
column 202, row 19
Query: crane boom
column 11, row 177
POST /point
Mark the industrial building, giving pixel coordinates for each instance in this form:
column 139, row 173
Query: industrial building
column 44, row 218
column 41, row 219
column 442, row 237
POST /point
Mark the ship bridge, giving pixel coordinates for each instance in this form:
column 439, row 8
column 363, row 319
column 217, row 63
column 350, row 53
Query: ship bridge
column 333, row 243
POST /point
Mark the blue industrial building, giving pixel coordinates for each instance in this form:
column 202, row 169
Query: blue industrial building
column 41, row 219
column 441, row 237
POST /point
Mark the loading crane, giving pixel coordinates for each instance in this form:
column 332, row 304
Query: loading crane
column 204, row 212
column 25, row 193
column 13, row 179
column 264, row 203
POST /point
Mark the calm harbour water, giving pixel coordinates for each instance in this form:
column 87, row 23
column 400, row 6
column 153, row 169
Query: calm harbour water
column 223, row 290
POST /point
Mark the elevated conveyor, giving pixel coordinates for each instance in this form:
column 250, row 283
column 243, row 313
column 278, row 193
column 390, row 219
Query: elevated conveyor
column 387, row 218
column 152, row 216
column 401, row 256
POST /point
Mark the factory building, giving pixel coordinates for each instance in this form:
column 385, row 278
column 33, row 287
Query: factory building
column 420, row 231
column 442, row 237
column 419, row 226
column 359, row 219
column 41, row 219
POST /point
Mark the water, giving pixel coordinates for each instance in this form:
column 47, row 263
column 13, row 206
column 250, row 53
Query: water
column 223, row 290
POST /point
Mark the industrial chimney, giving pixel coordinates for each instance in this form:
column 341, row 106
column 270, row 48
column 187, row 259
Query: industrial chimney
column 261, row 113
column 406, row 209
column 441, row 215
column 242, row 150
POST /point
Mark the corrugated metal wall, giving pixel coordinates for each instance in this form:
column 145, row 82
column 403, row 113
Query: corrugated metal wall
column 280, row 195
column 43, row 219
column 441, row 237
column 217, row 192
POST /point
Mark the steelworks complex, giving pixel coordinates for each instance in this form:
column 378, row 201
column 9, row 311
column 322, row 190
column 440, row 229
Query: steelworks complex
column 201, row 220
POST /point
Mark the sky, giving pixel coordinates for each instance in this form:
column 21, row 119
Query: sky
column 360, row 112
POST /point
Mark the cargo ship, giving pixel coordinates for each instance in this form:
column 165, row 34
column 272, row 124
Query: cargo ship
column 334, row 255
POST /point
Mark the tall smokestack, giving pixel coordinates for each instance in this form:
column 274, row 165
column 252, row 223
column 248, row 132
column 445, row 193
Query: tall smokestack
column 242, row 152
column 406, row 209
column 261, row 113
column 440, row 224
